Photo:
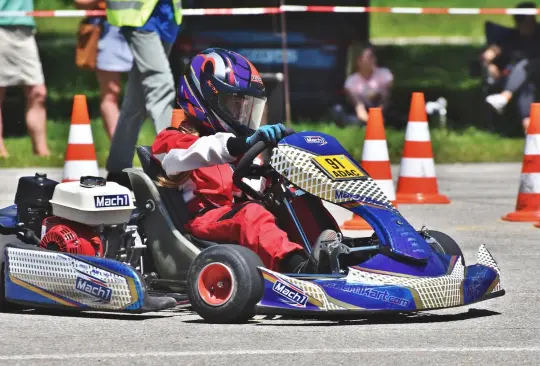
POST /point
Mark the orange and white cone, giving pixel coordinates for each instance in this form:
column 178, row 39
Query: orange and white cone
column 376, row 162
column 528, row 200
column 80, row 157
column 417, row 181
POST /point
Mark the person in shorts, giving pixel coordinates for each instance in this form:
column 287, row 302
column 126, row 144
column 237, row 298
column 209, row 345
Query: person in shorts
column 114, row 57
column 20, row 65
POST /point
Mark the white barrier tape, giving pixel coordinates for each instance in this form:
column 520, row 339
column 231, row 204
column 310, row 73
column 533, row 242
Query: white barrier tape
column 406, row 10
column 417, row 168
column 464, row 11
column 291, row 9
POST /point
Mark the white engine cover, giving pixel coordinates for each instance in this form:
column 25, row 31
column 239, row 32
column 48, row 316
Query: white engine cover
column 111, row 204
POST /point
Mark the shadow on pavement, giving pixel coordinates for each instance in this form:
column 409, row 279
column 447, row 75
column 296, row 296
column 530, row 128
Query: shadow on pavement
column 384, row 319
column 111, row 316
column 277, row 320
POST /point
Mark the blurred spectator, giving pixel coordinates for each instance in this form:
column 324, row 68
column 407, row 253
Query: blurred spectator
column 366, row 88
column 150, row 28
column 20, row 65
column 515, row 54
column 113, row 58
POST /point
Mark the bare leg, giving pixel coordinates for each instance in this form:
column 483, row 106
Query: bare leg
column 515, row 82
column 36, row 118
column 110, row 86
column 3, row 151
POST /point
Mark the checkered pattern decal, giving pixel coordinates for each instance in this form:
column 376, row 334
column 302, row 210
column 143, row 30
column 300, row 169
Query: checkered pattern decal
column 296, row 165
column 58, row 273
column 485, row 259
column 429, row 292
column 310, row 289
column 433, row 292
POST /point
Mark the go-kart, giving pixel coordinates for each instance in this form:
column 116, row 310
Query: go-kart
column 96, row 246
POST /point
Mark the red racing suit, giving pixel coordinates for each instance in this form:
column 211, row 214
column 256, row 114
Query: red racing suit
column 209, row 196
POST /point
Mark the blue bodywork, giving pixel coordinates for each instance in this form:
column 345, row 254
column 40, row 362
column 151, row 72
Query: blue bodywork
column 84, row 290
column 391, row 228
column 8, row 217
column 407, row 277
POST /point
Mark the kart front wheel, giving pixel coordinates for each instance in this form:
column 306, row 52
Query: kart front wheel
column 444, row 244
column 224, row 284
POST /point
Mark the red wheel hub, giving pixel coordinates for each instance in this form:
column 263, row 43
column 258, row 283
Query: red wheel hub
column 215, row 284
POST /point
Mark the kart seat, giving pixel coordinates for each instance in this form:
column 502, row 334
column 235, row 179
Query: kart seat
column 173, row 198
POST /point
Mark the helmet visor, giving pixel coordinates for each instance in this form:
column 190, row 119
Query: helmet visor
column 244, row 109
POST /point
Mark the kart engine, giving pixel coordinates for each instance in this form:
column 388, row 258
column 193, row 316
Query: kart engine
column 91, row 217
column 66, row 236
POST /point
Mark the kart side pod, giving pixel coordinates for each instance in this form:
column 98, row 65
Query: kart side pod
column 363, row 291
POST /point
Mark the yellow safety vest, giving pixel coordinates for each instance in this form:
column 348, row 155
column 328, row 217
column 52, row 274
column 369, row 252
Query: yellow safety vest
column 135, row 13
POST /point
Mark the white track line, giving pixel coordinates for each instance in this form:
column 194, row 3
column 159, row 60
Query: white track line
column 60, row 356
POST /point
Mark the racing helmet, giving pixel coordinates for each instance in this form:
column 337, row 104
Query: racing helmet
column 224, row 91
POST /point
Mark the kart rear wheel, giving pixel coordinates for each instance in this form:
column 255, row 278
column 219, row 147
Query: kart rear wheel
column 224, row 284
column 444, row 244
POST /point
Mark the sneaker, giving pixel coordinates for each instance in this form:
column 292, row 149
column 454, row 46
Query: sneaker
column 497, row 101
column 326, row 238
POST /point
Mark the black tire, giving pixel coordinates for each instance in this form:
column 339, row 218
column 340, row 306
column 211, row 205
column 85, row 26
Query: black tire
column 242, row 285
column 444, row 244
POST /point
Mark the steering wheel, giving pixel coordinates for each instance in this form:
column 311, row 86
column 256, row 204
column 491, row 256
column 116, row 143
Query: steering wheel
column 245, row 168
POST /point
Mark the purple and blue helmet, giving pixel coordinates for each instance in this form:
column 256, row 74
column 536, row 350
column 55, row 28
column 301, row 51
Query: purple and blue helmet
column 224, row 91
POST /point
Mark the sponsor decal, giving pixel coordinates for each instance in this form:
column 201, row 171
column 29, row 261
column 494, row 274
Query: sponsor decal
column 115, row 200
column 91, row 271
column 293, row 295
column 256, row 79
column 343, row 195
column 369, row 292
column 212, row 86
column 315, row 140
column 94, row 289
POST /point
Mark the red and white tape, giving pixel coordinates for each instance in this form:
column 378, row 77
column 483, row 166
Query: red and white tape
column 290, row 9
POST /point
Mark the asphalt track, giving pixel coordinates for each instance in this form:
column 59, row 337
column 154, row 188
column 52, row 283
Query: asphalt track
column 501, row 331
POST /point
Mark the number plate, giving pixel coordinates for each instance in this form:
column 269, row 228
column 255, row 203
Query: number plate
column 338, row 167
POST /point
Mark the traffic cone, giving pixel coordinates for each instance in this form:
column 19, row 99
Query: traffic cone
column 80, row 157
column 528, row 200
column 417, row 181
column 178, row 117
column 376, row 162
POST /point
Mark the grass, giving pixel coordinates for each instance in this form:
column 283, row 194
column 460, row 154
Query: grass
column 470, row 145
column 20, row 148
column 381, row 24
column 415, row 25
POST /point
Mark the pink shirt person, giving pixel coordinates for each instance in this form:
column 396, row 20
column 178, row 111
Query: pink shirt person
column 370, row 85
column 370, row 91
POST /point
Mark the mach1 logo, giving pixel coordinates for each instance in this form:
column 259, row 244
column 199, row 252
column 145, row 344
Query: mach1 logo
column 115, row 200
column 294, row 296
column 343, row 195
column 315, row 140
column 93, row 289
